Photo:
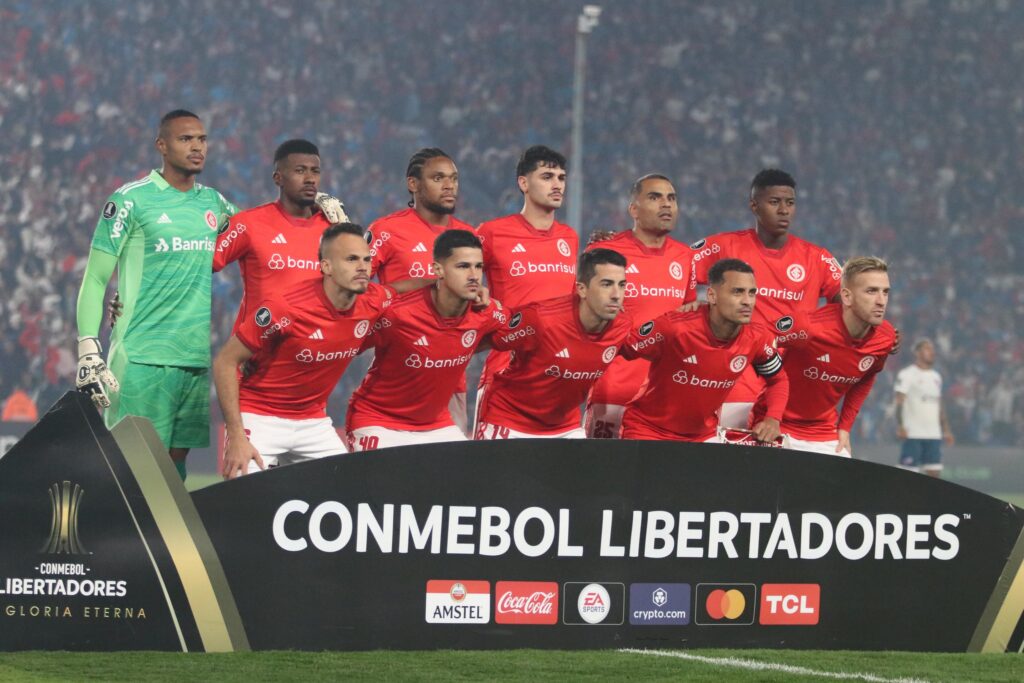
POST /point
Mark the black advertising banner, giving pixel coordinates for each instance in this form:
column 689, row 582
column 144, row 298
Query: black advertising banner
column 577, row 544
column 500, row 544
column 87, row 560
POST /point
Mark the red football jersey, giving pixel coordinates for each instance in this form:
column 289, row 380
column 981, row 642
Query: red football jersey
column 402, row 245
column 555, row 362
column 691, row 372
column 825, row 364
column 419, row 360
column 524, row 265
column 657, row 281
column 302, row 345
column 789, row 279
column 274, row 251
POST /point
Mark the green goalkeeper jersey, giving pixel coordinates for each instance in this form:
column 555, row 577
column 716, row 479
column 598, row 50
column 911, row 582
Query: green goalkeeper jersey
column 163, row 240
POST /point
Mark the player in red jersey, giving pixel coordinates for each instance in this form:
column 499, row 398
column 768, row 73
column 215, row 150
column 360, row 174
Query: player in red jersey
column 792, row 274
column 529, row 256
column 658, row 281
column 276, row 244
column 423, row 343
column 697, row 357
column 833, row 354
column 560, row 347
column 297, row 345
column 401, row 242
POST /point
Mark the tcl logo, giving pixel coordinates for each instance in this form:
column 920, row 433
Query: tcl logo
column 790, row 604
column 526, row 602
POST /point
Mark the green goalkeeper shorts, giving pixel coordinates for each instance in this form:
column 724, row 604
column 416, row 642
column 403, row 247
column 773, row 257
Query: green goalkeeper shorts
column 176, row 400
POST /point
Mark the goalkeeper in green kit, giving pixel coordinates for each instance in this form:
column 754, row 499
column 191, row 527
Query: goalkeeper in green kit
column 159, row 232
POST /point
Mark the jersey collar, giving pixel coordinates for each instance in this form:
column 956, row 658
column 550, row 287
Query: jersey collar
column 162, row 184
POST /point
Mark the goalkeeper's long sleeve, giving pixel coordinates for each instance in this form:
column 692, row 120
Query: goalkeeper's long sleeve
column 98, row 270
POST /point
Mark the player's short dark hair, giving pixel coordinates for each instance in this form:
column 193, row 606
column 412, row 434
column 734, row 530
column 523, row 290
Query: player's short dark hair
column 332, row 231
column 716, row 274
column 590, row 260
column 296, row 146
column 450, row 240
column 638, row 185
column 770, row 177
column 537, row 156
column 171, row 116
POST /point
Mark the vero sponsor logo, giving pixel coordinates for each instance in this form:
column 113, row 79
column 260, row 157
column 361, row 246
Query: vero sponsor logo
column 526, row 602
column 790, row 604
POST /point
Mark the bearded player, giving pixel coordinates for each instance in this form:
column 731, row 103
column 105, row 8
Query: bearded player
column 560, row 348
column 159, row 232
column 422, row 344
column 529, row 256
column 833, row 355
column 697, row 357
column 792, row 274
column 657, row 282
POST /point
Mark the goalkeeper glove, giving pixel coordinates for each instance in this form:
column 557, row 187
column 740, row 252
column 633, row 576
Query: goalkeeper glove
column 93, row 372
column 332, row 208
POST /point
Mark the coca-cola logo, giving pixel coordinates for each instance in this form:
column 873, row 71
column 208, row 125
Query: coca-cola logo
column 526, row 602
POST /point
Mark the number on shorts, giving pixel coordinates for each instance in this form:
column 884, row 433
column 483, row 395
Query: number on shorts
column 368, row 443
column 602, row 430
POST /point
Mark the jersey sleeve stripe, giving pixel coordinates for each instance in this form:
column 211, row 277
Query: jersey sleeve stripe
column 769, row 367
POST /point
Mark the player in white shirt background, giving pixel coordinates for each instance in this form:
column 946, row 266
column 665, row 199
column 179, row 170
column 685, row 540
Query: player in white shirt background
column 921, row 422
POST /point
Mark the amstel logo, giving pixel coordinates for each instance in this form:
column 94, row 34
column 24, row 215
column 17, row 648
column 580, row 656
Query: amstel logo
column 65, row 501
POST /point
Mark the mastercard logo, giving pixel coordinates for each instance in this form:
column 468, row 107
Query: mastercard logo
column 725, row 604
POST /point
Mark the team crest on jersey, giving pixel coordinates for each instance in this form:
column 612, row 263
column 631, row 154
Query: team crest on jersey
column 468, row 338
column 563, row 248
column 211, row 220
column 263, row 317
column 796, row 273
column 738, row 363
column 109, row 210
column 699, row 243
column 646, row 328
column 675, row 270
column 609, row 354
column 362, row 327
column 515, row 320
column 784, row 324
column 865, row 363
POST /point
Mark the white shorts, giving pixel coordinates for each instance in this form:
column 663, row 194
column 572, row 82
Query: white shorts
column 282, row 441
column 826, row 447
column 487, row 432
column 372, row 438
column 734, row 415
column 603, row 420
column 458, row 407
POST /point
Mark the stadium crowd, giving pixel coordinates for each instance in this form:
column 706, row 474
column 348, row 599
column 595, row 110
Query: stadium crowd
column 900, row 121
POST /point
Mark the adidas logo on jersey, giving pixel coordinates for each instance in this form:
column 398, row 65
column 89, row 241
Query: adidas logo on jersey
column 419, row 247
column 422, row 341
column 519, row 248
column 632, row 269
column 279, row 239
column 692, row 360
column 564, row 353
column 318, row 334
column 164, row 219
column 824, row 359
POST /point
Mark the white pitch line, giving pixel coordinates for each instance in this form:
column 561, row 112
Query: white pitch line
column 769, row 666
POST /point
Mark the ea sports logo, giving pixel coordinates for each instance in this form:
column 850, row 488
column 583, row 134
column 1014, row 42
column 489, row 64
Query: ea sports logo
column 417, row 270
column 796, row 273
column 414, row 361
column 516, row 269
column 594, row 603
column 468, row 338
column 263, row 317
column 563, row 248
column 738, row 363
column 211, row 220
column 865, row 363
column 681, row 377
column 276, row 262
column 675, row 270
column 362, row 327
column 304, row 356
column 609, row 354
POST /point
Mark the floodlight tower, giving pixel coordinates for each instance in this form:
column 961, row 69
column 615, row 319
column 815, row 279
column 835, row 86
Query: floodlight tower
column 585, row 23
